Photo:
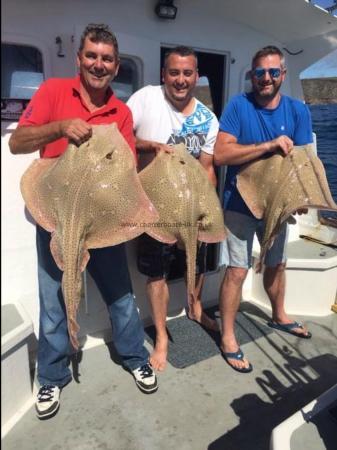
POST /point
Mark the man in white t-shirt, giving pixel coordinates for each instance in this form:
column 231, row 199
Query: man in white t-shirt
column 163, row 116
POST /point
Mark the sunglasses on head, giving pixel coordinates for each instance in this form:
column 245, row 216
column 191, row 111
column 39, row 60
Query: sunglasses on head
column 274, row 72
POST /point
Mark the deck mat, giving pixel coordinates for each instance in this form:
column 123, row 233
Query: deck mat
column 189, row 343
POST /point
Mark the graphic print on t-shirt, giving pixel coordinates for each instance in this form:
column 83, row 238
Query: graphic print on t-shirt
column 194, row 131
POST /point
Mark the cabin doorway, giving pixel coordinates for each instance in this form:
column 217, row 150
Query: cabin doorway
column 211, row 90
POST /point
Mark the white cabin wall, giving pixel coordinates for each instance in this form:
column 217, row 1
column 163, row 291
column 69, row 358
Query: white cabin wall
column 220, row 32
column 18, row 254
column 136, row 19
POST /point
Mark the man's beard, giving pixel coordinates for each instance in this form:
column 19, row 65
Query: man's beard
column 267, row 95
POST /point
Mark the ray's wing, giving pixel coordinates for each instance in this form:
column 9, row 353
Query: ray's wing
column 304, row 185
column 276, row 187
column 38, row 194
column 210, row 214
column 45, row 187
column 117, row 215
column 165, row 194
column 115, row 205
column 256, row 183
column 212, row 228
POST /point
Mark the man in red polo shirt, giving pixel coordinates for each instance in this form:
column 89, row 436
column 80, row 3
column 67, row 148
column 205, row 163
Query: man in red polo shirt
column 64, row 110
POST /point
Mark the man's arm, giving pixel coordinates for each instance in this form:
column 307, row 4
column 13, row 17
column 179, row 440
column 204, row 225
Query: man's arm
column 206, row 160
column 29, row 138
column 228, row 152
column 126, row 129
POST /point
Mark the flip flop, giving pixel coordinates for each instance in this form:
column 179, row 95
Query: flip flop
column 289, row 328
column 239, row 357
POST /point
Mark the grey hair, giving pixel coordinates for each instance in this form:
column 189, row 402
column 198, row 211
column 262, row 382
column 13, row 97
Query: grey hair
column 99, row 32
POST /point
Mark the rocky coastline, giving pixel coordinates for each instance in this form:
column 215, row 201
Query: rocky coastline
column 320, row 91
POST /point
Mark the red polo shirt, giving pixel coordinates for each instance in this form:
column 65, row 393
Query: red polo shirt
column 60, row 99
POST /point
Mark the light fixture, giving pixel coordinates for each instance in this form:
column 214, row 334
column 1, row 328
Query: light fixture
column 165, row 9
column 58, row 41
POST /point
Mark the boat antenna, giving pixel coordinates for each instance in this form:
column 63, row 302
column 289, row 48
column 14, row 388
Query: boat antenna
column 293, row 53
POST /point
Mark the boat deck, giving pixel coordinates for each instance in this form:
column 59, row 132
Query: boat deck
column 206, row 405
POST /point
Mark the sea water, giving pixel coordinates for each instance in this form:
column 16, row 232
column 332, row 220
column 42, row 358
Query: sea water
column 324, row 124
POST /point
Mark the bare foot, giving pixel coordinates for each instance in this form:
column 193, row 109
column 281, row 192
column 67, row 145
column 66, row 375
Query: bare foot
column 158, row 358
column 209, row 323
column 196, row 313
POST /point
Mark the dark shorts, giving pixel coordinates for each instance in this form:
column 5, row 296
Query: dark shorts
column 155, row 259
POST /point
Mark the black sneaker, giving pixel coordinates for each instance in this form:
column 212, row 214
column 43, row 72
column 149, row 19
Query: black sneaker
column 48, row 401
column 145, row 378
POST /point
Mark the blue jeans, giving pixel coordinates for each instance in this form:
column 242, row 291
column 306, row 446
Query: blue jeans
column 108, row 267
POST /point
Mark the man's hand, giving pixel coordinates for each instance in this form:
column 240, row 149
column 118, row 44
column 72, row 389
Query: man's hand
column 144, row 146
column 283, row 143
column 163, row 148
column 76, row 130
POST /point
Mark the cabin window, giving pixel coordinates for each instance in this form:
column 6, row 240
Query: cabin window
column 247, row 85
column 21, row 75
column 128, row 78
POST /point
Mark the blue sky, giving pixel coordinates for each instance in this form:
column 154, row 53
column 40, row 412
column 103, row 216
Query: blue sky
column 327, row 66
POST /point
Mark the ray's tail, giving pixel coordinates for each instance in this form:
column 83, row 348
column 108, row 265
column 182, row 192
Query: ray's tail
column 190, row 244
column 72, row 258
column 71, row 288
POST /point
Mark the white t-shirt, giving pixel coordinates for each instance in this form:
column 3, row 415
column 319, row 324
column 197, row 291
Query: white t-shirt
column 155, row 119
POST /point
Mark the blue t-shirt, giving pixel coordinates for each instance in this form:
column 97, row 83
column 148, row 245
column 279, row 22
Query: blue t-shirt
column 252, row 124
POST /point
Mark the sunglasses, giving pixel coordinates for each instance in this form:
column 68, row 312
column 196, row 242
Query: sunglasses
column 274, row 72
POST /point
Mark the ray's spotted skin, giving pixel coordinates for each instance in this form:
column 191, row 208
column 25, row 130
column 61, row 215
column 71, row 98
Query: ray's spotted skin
column 187, row 204
column 90, row 197
column 277, row 187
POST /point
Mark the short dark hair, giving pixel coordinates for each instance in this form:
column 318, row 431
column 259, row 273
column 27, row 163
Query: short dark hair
column 98, row 32
column 180, row 50
column 266, row 51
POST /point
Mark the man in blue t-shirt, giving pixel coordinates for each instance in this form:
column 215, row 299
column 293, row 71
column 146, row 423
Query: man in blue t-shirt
column 252, row 126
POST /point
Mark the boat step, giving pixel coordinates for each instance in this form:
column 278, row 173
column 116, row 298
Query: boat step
column 16, row 386
column 311, row 279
